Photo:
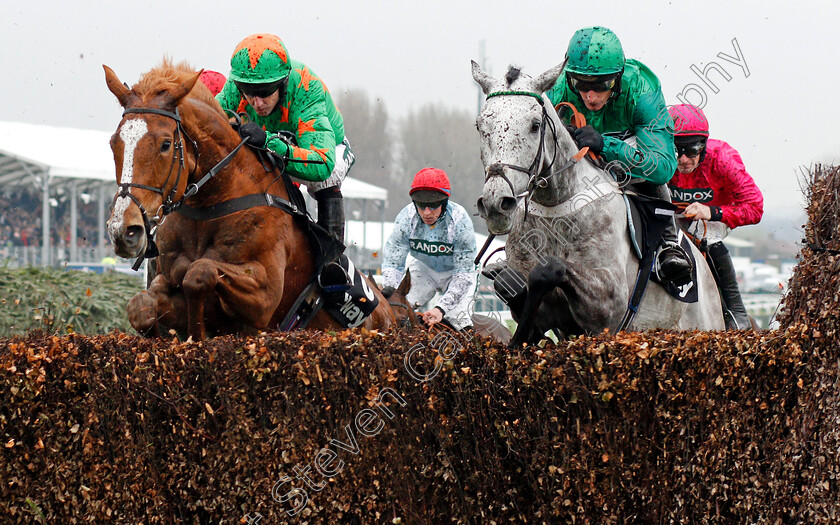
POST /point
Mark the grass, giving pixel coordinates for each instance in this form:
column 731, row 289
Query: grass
column 64, row 301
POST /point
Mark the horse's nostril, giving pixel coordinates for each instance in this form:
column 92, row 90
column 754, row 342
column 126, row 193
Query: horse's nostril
column 508, row 203
column 480, row 204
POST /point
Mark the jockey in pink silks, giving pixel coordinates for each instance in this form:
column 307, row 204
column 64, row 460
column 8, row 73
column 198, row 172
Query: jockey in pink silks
column 719, row 195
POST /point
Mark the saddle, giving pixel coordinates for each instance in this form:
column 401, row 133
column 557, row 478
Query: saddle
column 349, row 306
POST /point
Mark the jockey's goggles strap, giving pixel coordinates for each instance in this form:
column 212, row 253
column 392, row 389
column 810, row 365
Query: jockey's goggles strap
column 526, row 93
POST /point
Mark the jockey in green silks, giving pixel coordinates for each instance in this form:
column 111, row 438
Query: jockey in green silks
column 292, row 113
column 627, row 123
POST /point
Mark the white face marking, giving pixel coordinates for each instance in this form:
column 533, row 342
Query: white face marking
column 130, row 133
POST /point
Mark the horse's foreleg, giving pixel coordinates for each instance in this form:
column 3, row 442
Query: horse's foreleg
column 594, row 298
column 142, row 313
column 243, row 293
column 542, row 279
column 511, row 288
column 199, row 282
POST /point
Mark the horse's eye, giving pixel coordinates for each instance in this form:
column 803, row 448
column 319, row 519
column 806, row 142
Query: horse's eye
column 165, row 146
column 535, row 126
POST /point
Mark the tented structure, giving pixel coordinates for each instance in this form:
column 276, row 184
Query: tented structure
column 72, row 164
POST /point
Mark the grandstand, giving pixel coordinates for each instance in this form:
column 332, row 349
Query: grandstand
column 56, row 187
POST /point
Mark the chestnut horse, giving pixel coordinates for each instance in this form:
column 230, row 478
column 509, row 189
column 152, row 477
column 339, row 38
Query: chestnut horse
column 238, row 272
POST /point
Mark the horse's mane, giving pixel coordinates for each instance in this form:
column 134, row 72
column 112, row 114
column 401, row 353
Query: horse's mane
column 512, row 74
column 168, row 76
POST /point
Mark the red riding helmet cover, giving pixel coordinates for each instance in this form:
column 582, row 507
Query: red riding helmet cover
column 431, row 179
column 213, row 80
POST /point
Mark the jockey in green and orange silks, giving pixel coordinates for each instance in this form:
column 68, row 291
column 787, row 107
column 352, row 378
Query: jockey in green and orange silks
column 292, row 113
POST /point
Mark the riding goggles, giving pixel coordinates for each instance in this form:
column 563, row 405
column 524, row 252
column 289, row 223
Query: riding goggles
column 259, row 90
column 432, row 206
column 690, row 149
column 599, row 84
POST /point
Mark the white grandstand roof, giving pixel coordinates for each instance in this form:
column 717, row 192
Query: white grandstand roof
column 29, row 150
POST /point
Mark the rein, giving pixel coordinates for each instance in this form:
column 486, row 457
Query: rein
column 169, row 204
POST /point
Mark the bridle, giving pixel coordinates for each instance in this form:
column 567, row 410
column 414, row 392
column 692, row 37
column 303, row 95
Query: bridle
column 169, row 204
column 406, row 322
column 536, row 178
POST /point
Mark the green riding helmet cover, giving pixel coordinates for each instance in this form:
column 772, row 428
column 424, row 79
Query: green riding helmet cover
column 260, row 59
column 595, row 51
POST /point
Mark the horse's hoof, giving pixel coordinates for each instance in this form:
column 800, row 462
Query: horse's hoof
column 493, row 269
column 142, row 313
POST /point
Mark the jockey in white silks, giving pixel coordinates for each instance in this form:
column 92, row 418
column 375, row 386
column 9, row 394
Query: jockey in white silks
column 440, row 237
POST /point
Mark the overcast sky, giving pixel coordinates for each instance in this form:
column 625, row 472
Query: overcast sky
column 779, row 107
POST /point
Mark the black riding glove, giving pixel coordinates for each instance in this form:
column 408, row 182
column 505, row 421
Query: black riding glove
column 587, row 136
column 388, row 291
column 254, row 133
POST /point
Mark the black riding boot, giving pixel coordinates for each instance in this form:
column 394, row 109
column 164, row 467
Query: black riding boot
column 728, row 284
column 673, row 264
column 331, row 211
column 333, row 279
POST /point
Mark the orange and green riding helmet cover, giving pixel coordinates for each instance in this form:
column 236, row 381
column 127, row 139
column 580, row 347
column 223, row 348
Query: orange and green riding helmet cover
column 260, row 59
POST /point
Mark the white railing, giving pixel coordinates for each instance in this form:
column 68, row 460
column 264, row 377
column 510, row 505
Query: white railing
column 19, row 256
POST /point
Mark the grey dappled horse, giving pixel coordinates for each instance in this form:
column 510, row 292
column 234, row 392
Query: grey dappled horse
column 572, row 246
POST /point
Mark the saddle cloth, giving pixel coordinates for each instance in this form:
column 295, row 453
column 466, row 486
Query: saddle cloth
column 353, row 306
column 645, row 227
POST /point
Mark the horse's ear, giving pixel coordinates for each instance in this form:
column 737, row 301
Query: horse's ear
column 484, row 80
column 372, row 280
column 184, row 88
column 119, row 89
column 546, row 81
column 405, row 284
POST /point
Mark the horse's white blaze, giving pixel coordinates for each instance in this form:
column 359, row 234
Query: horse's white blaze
column 130, row 133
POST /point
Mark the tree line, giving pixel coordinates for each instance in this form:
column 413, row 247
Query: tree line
column 389, row 152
